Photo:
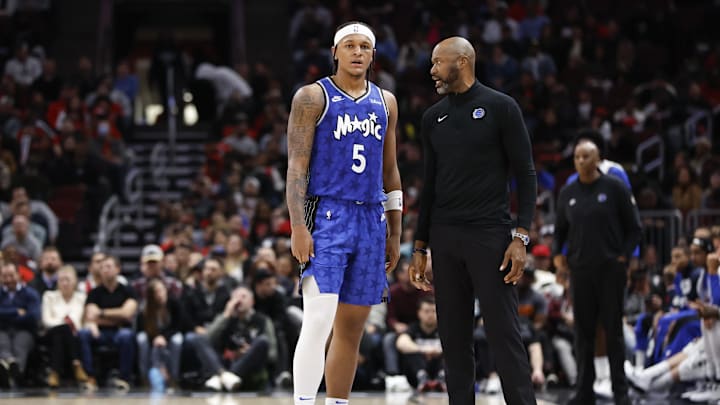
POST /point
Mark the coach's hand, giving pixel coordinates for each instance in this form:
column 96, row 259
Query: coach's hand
column 392, row 252
column 517, row 253
column 416, row 271
column 301, row 244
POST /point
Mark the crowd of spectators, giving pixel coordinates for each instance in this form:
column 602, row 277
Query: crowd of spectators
column 62, row 144
column 220, row 287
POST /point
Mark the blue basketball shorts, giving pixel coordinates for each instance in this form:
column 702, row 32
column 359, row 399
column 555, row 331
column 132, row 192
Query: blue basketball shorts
column 349, row 240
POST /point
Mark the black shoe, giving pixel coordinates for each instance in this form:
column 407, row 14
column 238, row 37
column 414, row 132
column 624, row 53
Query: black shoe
column 578, row 400
column 4, row 375
column 14, row 372
column 623, row 400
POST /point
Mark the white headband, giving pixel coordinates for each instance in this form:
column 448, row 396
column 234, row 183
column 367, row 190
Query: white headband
column 354, row 29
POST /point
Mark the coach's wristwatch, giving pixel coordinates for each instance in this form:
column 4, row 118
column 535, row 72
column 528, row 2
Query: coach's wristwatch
column 524, row 238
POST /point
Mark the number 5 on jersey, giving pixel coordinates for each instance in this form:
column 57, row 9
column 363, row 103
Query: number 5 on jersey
column 358, row 158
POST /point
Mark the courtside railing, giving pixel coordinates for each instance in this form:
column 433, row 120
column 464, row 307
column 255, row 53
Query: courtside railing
column 702, row 217
column 662, row 229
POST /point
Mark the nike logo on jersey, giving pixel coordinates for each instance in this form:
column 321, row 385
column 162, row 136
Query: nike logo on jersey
column 336, row 99
column 441, row 119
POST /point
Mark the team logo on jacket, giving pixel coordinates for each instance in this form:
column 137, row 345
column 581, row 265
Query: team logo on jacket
column 368, row 126
column 572, row 202
column 602, row 197
column 478, row 113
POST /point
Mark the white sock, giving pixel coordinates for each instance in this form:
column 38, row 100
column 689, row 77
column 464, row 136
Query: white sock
column 602, row 368
column 707, row 345
column 309, row 362
column 639, row 360
column 662, row 382
column 656, row 370
column 336, row 401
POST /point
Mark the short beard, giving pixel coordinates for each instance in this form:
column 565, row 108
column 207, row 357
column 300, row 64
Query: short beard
column 443, row 89
column 452, row 78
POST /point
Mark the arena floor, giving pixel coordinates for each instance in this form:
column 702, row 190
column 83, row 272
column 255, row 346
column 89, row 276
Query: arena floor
column 42, row 397
column 109, row 397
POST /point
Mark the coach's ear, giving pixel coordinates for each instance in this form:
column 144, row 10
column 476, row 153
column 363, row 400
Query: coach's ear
column 462, row 60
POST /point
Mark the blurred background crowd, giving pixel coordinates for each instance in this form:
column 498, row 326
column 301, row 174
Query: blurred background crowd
column 133, row 259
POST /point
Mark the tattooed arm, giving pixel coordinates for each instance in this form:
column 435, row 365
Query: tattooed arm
column 307, row 105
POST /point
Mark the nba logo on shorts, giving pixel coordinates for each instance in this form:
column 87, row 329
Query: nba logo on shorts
column 478, row 113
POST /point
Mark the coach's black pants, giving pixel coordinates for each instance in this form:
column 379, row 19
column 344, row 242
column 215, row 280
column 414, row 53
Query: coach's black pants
column 598, row 294
column 466, row 262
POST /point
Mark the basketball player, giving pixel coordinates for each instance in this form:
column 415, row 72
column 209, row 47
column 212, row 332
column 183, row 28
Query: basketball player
column 341, row 149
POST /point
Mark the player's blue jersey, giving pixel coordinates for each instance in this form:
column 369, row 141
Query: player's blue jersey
column 708, row 288
column 347, row 155
column 686, row 288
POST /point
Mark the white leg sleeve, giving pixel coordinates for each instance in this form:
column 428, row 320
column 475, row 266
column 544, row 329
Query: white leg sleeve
column 706, row 340
column 662, row 382
column 696, row 346
column 695, row 350
column 656, row 370
column 639, row 360
column 693, row 368
column 713, row 347
column 309, row 362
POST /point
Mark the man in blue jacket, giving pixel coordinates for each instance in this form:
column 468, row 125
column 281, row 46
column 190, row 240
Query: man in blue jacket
column 19, row 317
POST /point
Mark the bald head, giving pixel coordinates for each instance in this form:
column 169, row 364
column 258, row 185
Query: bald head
column 587, row 159
column 588, row 147
column 453, row 65
column 458, row 47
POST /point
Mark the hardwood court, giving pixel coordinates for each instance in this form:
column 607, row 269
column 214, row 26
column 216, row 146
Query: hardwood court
column 143, row 398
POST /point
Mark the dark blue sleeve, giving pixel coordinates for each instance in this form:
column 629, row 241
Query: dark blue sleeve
column 8, row 313
column 32, row 310
column 714, row 286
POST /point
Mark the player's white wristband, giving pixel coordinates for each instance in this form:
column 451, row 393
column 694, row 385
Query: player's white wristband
column 394, row 200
